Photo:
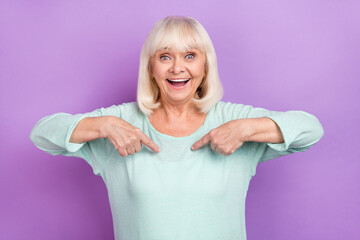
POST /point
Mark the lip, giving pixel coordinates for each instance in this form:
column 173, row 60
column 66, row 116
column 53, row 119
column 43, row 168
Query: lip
column 177, row 88
column 177, row 78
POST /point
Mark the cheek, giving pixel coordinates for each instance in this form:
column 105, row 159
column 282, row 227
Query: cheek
column 158, row 71
column 199, row 71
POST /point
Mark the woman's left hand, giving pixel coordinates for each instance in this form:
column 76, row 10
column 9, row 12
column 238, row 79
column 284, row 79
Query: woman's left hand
column 228, row 137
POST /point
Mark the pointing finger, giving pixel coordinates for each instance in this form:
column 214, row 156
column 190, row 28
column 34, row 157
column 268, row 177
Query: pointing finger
column 147, row 141
column 204, row 140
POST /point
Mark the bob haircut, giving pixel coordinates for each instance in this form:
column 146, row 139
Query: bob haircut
column 180, row 33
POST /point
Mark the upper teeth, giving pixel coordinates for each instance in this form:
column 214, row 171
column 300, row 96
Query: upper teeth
column 179, row 80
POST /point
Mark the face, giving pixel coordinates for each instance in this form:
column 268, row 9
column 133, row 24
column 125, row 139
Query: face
column 178, row 66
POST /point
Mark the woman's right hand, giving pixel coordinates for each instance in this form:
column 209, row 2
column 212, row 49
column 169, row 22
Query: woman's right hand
column 126, row 138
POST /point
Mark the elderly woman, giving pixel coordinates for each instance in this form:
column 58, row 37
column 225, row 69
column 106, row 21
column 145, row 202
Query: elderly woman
column 191, row 179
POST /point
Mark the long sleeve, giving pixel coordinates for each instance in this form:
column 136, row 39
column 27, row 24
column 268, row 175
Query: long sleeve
column 300, row 130
column 52, row 134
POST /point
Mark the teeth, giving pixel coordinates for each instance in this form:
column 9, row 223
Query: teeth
column 179, row 80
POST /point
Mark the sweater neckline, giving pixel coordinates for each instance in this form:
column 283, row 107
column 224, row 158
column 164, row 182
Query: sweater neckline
column 169, row 137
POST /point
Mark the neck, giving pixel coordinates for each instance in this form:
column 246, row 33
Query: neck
column 172, row 112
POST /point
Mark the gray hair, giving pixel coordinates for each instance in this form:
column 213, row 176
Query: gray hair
column 180, row 33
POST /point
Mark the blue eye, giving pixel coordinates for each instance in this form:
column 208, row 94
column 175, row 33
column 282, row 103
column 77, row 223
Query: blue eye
column 191, row 54
column 164, row 57
column 161, row 57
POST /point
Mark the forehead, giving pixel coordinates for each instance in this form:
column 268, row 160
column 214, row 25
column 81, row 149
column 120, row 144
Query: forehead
column 177, row 39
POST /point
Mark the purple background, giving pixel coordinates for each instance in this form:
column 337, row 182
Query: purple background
column 76, row 56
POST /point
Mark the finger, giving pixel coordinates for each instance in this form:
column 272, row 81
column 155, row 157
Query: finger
column 130, row 149
column 204, row 140
column 137, row 146
column 239, row 145
column 121, row 150
column 147, row 141
column 121, row 147
column 212, row 145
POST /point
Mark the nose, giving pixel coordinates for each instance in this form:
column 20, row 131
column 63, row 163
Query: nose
column 177, row 67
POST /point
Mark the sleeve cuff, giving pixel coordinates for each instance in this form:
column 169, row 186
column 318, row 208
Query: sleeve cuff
column 300, row 130
column 286, row 144
column 69, row 146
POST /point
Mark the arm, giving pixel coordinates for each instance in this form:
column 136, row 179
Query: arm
column 52, row 135
column 89, row 129
column 299, row 130
column 265, row 130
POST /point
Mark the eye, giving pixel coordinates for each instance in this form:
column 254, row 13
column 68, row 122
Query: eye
column 161, row 57
column 191, row 54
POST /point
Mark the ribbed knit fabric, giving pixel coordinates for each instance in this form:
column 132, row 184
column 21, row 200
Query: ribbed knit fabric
column 177, row 194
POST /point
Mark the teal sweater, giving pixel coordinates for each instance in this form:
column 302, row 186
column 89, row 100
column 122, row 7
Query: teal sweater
column 177, row 193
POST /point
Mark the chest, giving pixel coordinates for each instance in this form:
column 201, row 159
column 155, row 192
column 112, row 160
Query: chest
column 176, row 172
column 176, row 127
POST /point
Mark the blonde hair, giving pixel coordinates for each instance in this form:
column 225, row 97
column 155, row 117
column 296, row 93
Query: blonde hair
column 181, row 33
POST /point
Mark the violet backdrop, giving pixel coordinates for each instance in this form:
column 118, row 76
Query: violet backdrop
column 76, row 56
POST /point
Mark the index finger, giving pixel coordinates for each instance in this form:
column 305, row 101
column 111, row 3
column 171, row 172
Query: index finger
column 204, row 140
column 148, row 142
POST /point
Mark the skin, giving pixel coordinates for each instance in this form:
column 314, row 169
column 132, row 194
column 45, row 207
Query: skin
column 171, row 64
column 178, row 116
column 231, row 135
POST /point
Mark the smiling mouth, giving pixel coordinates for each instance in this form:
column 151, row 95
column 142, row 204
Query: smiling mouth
column 178, row 82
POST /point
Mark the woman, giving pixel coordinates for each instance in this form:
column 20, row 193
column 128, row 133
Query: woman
column 191, row 179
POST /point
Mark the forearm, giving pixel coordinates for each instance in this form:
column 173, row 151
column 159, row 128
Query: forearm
column 89, row 128
column 264, row 130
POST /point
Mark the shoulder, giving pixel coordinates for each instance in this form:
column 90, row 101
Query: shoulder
column 129, row 107
column 130, row 112
column 226, row 110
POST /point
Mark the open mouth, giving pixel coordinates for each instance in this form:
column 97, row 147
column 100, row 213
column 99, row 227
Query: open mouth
column 178, row 82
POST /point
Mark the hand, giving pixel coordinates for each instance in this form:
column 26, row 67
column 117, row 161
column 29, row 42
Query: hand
column 126, row 138
column 228, row 137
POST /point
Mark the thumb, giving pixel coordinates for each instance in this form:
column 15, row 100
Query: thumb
column 204, row 140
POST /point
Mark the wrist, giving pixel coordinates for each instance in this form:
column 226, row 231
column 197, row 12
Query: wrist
column 246, row 128
column 265, row 129
column 104, row 125
column 251, row 128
